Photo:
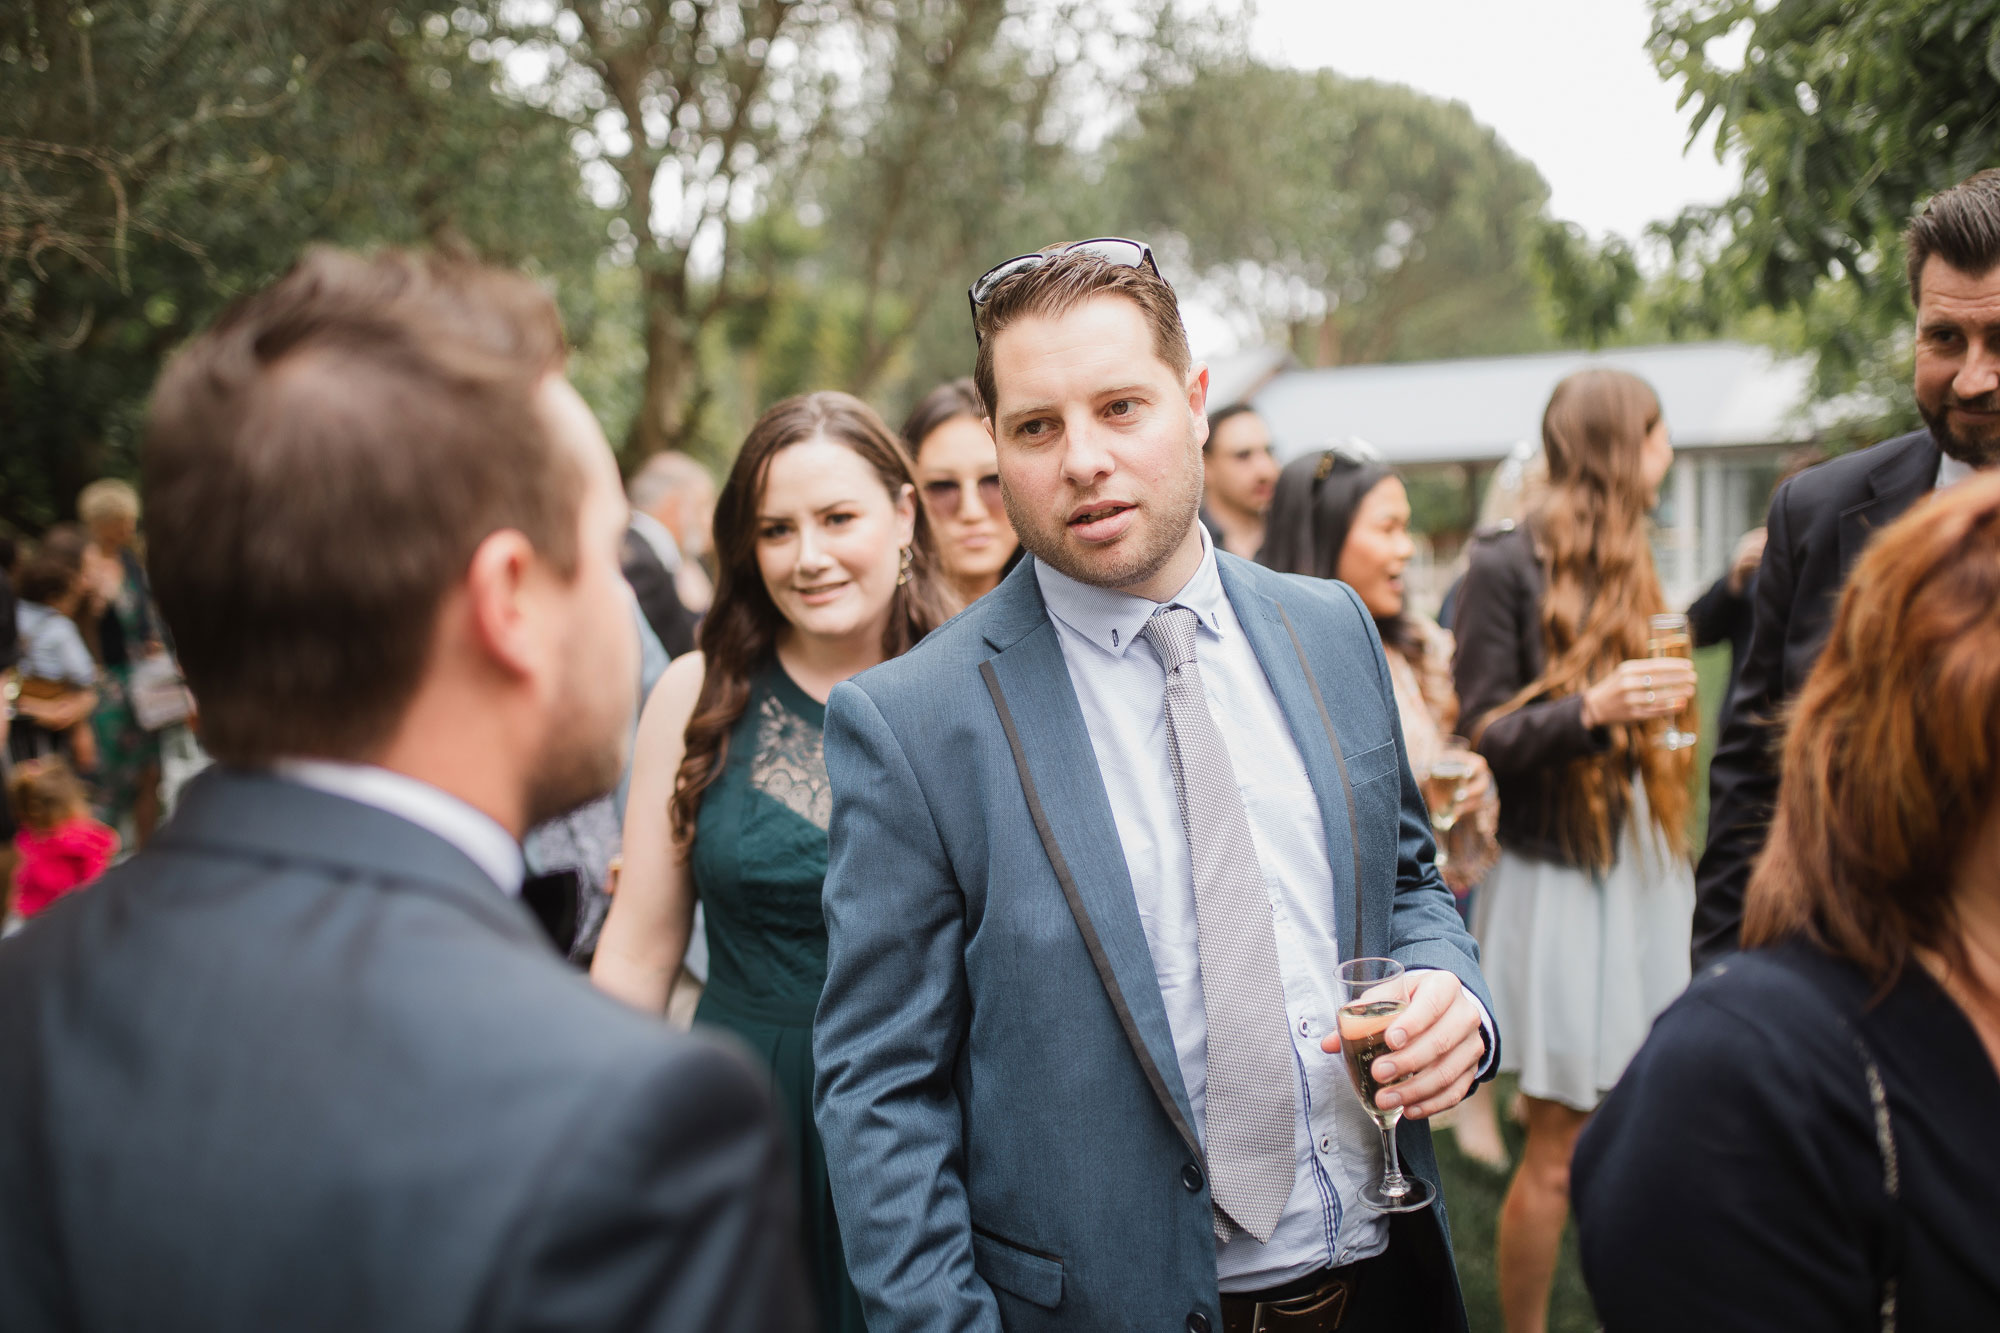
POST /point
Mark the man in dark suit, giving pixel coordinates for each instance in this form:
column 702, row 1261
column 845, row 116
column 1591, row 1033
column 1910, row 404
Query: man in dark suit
column 673, row 507
column 306, row 1062
column 1822, row 518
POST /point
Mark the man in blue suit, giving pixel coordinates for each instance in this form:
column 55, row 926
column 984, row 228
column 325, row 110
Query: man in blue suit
column 1098, row 848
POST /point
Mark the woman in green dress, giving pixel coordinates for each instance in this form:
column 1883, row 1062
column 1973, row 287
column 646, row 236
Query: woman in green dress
column 826, row 568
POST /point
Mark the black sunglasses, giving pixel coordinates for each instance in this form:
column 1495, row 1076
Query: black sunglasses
column 944, row 497
column 1112, row 249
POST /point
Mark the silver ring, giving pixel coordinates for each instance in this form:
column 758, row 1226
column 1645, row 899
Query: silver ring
column 1649, row 696
column 1647, row 681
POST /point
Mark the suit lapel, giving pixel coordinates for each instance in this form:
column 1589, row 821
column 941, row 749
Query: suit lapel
column 1905, row 477
column 1029, row 682
column 1279, row 652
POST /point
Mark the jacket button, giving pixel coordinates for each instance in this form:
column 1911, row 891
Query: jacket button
column 1197, row 1322
column 1191, row 1177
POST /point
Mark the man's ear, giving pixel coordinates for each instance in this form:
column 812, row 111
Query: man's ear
column 1197, row 392
column 498, row 595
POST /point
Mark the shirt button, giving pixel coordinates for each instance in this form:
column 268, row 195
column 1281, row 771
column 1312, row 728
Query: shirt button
column 1191, row 1177
column 1305, row 1028
column 1197, row 1322
column 1326, row 1143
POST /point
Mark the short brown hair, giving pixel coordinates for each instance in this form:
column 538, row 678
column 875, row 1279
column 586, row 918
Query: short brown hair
column 319, row 468
column 1960, row 226
column 44, row 794
column 947, row 402
column 1063, row 283
column 1892, row 758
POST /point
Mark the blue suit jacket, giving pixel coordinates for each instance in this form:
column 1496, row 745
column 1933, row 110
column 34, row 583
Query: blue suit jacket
column 1006, row 1129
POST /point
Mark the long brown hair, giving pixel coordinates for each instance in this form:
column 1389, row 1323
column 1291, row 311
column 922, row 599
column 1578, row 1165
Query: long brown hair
column 1892, row 755
column 739, row 635
column 1600, row 588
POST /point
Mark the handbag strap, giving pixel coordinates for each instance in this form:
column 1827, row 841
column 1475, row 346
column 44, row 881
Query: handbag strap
column 1846, row 995
column 1885, row 1147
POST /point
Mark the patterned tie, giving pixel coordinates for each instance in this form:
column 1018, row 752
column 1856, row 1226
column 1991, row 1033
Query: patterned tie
column 1251, row 1159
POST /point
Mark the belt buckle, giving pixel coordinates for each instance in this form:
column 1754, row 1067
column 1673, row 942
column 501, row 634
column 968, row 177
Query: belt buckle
column 1315, row 1312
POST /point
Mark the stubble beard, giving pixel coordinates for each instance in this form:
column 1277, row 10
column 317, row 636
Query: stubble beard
column 1973, row 451
column 1166, row 517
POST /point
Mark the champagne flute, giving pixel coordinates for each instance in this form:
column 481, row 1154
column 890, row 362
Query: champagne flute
column 1668, row 636
column 1373, row 994
column 1444, row 790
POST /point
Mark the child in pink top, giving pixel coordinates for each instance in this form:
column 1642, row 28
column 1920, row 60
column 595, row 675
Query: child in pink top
column 59, row 847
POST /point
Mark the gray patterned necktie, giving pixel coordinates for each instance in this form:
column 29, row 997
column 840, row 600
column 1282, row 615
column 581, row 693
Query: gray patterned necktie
column 1250, row 1115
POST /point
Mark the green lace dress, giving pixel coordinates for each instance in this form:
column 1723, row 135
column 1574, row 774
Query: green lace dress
column 759, row 862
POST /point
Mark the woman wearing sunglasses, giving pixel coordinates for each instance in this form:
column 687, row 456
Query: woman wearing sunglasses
column 958, row 474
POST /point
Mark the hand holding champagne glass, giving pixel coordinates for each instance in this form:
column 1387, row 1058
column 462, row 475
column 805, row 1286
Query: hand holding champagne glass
column 1445, row 783
column 1643, row 689
column 1374, row 993
column 1670, row 638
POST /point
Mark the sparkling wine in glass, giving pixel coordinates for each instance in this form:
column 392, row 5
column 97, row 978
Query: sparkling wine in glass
column 1668, row 636
column 1373, row 993
column 1444, row 790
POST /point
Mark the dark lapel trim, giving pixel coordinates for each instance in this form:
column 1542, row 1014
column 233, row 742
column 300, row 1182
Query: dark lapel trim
column 1340, row 762
column 1897, row 483
column 1098, row 958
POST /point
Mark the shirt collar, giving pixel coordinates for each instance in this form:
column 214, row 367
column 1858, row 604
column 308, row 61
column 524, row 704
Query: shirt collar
column 655, row 534
column 1112, row 620
column 478, row 835
column 1952, row 471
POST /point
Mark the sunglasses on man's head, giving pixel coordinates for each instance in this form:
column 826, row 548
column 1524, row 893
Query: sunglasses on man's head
column 1112, row 249
column 945, row 497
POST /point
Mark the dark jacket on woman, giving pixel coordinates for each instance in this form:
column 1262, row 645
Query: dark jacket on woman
column 1499, row 630
column 1735, row 1177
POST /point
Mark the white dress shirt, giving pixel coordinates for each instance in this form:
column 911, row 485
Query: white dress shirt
column 478, row 835
column 1951, row 472
column 1122, row 688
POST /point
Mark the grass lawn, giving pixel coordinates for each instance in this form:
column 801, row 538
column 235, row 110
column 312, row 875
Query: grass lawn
column 1473, row 1193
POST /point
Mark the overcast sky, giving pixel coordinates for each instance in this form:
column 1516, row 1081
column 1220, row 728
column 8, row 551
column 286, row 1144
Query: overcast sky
column 1567, row 83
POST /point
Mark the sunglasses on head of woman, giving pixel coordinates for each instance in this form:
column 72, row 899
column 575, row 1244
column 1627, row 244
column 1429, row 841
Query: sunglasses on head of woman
column 945, row 496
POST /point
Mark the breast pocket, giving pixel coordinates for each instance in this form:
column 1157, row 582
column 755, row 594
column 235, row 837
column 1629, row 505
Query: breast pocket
column 1371, row 765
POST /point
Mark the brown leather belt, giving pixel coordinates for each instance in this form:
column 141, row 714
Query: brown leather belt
column 1313, row 1304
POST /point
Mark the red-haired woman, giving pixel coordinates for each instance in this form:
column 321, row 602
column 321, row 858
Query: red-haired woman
column 1807, row 1139
column 1583, row 924
column 825, row 568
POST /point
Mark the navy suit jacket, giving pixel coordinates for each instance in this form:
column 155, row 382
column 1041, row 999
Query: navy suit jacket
column 301, row 1065
column 1008, row 1137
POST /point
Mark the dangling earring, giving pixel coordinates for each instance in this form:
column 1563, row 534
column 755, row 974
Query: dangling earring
column 903, row 568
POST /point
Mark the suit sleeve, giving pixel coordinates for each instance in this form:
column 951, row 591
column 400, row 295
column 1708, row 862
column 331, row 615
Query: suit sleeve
column 1724, row 1184
column 891, row 1023
column 1714, row 616
column 1743, row 775
column 1496, row 610
column 680, row 1214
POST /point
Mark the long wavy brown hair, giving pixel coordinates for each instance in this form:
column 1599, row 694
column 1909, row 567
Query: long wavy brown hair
column 1892, row 754
column 1593, row 539
column 739, row 635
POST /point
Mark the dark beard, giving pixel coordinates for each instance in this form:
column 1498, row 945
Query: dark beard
column 1973, row 452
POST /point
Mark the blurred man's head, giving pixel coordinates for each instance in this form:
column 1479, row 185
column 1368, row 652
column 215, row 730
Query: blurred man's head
column 1096, row 413
column 1954, row 270
column 384, row 528
column 678, row 492
column 1238, row 468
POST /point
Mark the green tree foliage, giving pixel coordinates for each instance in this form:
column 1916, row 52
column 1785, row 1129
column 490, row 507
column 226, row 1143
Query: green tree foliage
column 1847, row 114
column 159, row 157
column 1370, row 221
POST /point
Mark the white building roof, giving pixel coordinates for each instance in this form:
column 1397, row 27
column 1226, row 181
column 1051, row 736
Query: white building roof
column 1714, row 394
